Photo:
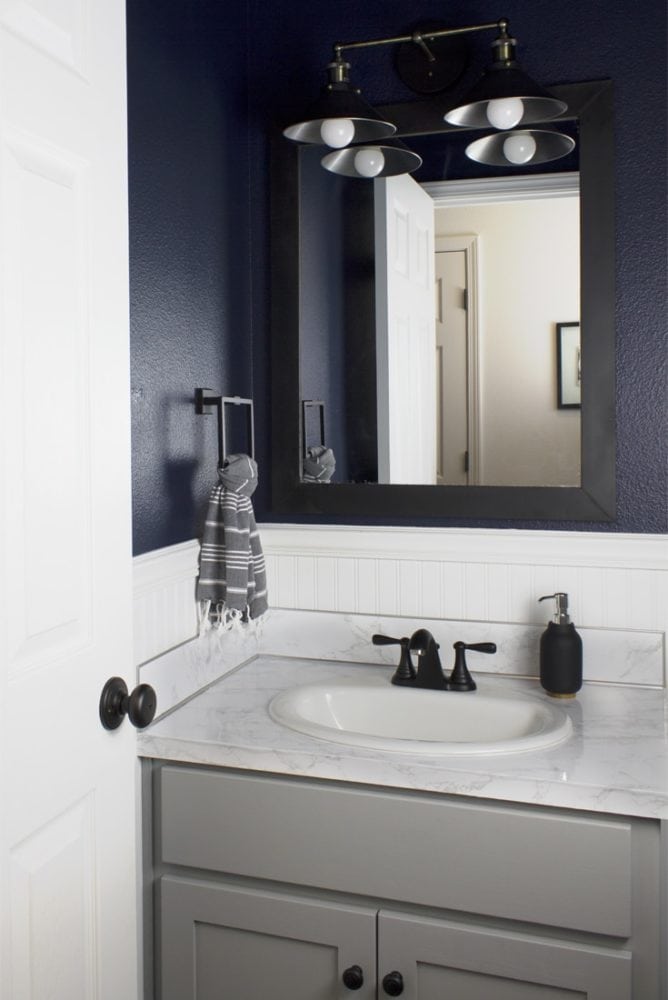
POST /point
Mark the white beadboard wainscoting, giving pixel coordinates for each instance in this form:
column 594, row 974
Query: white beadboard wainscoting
column 613, row 581
column 165, row 612
column 356, row 580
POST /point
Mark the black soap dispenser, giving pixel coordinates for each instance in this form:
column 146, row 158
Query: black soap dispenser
column 560, row 652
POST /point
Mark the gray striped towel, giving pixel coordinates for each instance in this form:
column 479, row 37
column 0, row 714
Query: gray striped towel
column 232, row 579
column 319, row 464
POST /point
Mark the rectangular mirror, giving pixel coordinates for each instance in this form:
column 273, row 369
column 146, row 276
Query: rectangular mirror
column 427, row 325
column 495, row 442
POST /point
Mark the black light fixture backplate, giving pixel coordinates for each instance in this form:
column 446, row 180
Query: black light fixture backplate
column 418, row 73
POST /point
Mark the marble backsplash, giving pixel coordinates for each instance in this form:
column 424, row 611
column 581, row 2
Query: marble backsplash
column 609, row 655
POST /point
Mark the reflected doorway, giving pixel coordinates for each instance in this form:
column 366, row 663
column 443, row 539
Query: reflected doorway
column 456, row 289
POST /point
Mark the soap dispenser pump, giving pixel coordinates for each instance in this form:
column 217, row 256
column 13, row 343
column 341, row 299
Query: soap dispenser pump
column 560, row 652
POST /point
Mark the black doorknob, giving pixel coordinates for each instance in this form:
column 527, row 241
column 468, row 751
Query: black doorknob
column 116, row 703
column 393, row 984
column 353, row 978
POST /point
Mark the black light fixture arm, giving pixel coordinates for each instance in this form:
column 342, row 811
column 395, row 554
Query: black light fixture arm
column 421, row 39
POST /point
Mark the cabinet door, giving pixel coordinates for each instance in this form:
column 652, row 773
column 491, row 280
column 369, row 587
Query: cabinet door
column 222, row 942
column 438, row 958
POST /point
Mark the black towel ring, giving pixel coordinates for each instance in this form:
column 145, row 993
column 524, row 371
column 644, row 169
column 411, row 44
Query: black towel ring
column 202, row 403
column 312, row 404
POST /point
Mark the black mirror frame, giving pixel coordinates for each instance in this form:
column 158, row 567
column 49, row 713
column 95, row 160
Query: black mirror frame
column 594, row 500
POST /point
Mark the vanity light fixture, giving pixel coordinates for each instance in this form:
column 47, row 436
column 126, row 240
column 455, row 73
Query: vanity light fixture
column 504, row 98
column 518, row 148
column 340, row 115
column 386, row 160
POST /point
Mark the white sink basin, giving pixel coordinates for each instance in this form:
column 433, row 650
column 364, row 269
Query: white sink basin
column 409, row 720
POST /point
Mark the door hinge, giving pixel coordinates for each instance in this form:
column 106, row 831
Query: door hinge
column 466, row 461
column 465, row 298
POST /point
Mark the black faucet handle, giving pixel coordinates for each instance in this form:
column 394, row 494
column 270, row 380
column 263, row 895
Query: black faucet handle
column 387, row 640
column 480, row 647
column 405, row 672
column 460, row 679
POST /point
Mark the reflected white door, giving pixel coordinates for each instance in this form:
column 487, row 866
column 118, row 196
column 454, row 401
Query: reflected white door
column 452, row 367
column 405, row 339
column 68, row 897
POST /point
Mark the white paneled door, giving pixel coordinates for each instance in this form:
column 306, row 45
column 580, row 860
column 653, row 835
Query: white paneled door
column 405, row 333
column 67, row 800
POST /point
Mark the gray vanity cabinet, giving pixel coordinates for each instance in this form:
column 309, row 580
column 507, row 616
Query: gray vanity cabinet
column 273, row 887
column 226, row 942
column 222, row 942
column 440, row 958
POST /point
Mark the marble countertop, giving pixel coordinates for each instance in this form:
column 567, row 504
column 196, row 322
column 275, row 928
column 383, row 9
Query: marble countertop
column 615, row 762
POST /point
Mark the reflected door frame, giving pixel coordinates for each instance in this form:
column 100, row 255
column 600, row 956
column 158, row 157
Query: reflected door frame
column 468, row 244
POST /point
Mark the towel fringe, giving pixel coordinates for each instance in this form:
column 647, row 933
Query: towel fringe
column 220, row 618
column 203, row 617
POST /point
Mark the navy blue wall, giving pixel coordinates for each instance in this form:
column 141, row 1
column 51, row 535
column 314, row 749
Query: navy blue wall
column 196, row 317
column 321, row 306
column 190, row 288
column 337, row 312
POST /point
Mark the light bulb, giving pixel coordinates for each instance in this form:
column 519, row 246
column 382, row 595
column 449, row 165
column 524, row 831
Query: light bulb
column 337, row 132
column 505, row 112
column 369, row 161
column 520, row 147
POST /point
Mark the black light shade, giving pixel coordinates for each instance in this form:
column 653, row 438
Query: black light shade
column 500, row 82
column 385, row 160
column 548, row 146
column 340, row 100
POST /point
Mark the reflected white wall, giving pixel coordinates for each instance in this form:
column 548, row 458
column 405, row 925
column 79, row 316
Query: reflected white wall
column 529, row 282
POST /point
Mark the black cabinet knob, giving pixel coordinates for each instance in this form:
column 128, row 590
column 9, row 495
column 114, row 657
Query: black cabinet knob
column 393, row 984
column 116, row 703
column 353, row 978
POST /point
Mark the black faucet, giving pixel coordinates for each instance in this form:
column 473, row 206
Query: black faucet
column 429, row 672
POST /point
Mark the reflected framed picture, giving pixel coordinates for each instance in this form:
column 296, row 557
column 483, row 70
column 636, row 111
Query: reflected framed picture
column 569, row 373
